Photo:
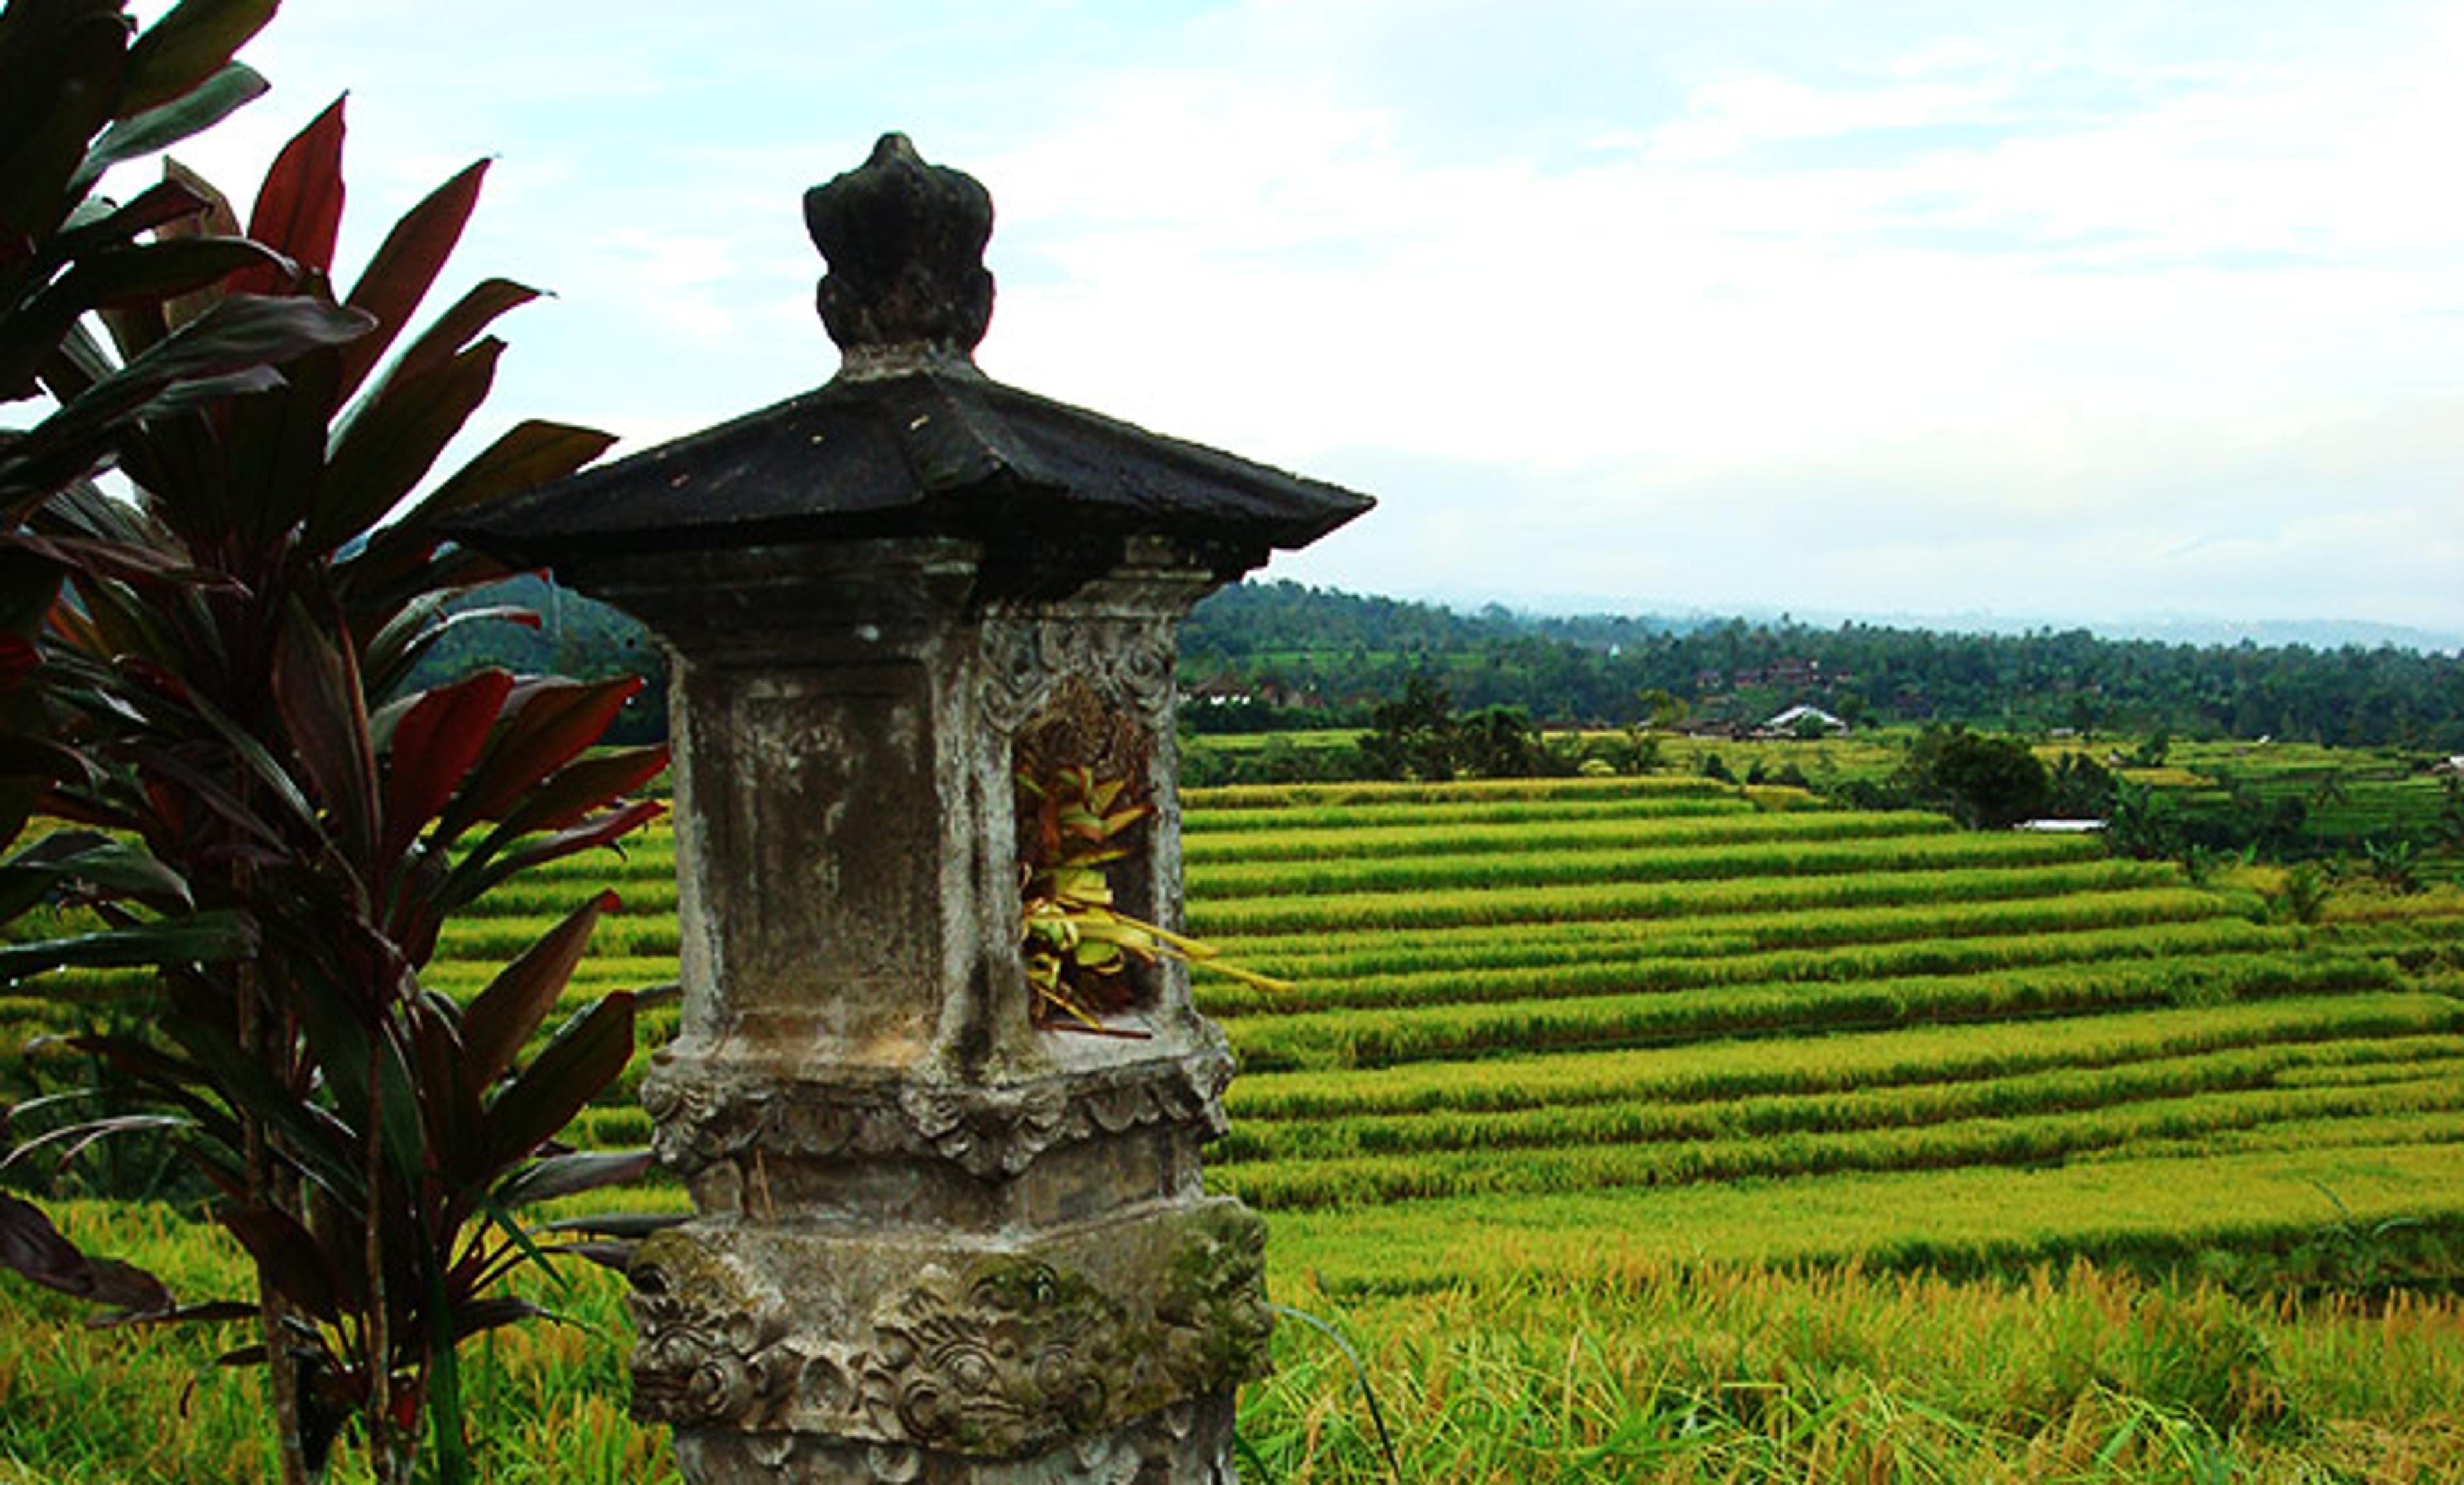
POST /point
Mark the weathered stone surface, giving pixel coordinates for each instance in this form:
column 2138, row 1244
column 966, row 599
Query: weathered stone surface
column 995, row 1344
column 906, row 287
column 1189, row 1441
column 708, row 1112
column 844, row 718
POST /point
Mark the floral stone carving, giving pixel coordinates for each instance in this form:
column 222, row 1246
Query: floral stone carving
column 985, row 1354
column 1018, row 1356
column 714, row 1342
column 705, row 1113
column 1128, row 662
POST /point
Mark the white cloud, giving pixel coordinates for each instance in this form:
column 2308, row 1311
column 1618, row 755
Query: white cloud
column 1685, row 302
column 1727, row 119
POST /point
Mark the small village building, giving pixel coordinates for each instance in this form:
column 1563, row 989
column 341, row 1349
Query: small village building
column 1787, row 723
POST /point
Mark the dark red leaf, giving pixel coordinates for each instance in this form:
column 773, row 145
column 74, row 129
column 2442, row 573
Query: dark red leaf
column 460, row 325
column 546, row 730
column 288, row 1255
column 413, row 629
column 581, row 788
column 568, row 1175
column 615, row 1257
column 433, row 746
column 216, row 219
column 391, row 440
column 239, row 334
column 232, row 87
column 118, row 560
column 276, row 476
column 212, row 1311
column 396, row 570
column 201, row 937
column 576, row 1066
column 299, row 211
column 538, row 851
column 151, row 272
column 405, row 267
column 448, row 1107
column 164, row 208
column 529, row 454
column 504, row 1015
column 32, row 1246
column 57, row 99
column 631, row 1226
column 480, row 1316
column 317, row 687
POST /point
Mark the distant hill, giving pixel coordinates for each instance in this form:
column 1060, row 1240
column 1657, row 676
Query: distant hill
column 2166, row 628
column 2174, row 629
column 1277, row 652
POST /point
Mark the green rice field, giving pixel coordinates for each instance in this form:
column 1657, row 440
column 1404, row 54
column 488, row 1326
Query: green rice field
column 1656, row 1128
column 1569, row 1026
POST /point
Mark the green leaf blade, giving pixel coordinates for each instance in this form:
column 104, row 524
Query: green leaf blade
column 193, row 43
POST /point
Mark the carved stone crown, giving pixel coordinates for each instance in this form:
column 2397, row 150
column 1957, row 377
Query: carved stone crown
column 907, row 288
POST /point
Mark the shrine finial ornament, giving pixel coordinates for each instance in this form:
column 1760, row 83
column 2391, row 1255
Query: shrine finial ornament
column 907, row 288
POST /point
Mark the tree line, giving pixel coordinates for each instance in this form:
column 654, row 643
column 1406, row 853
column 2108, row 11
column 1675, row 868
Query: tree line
column 1265, row 655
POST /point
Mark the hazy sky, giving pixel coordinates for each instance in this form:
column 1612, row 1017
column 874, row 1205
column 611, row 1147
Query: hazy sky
column 2073, row 310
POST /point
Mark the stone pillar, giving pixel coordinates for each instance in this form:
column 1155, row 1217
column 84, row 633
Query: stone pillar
column 936, row 1239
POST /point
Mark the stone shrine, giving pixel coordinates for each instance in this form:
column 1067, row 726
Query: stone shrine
column 938, row 1236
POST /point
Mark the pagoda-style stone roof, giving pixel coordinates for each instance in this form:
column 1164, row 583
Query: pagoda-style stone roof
column 928, row 453
column 909, row 439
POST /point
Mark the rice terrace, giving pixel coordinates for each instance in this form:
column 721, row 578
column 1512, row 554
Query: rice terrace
column 1656, row 1128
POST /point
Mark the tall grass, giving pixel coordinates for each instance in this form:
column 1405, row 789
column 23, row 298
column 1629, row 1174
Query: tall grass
column 2233, row 1211
column 1210, row 822
column 2420, row 1064
column 1648, row 1369
column 1691, row 1373
column 148, row 1404
column 1590, row 1087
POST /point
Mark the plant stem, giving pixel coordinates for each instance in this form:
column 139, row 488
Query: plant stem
column 390, row 1450
column 453, row 1451
column 281, row 1380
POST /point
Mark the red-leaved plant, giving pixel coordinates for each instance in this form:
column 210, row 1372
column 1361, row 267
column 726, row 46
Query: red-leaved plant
column 282, row 835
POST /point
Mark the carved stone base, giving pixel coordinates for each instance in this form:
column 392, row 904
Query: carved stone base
column 998, row 1347
column 716, row 1105
column 1188, row 1443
